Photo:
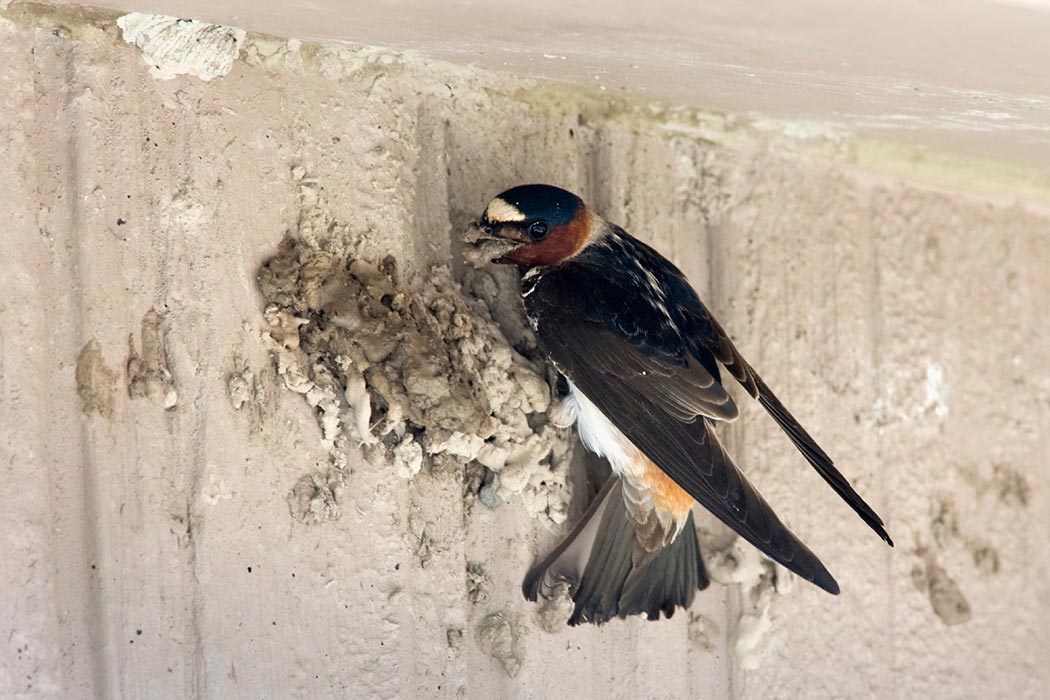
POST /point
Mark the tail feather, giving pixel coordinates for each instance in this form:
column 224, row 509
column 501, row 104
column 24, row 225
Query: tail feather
column 568, row 560
column 610, row 574
column 670, row 578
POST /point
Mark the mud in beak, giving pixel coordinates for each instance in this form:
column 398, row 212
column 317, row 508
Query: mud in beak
column 486, row 244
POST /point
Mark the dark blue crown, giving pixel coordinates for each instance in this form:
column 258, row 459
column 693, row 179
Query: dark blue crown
column 546, row 202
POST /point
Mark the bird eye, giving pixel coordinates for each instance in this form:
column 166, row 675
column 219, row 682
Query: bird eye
column 538, row 230
column 486, row 229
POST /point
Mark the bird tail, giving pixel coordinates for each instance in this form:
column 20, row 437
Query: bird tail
column 608, row 572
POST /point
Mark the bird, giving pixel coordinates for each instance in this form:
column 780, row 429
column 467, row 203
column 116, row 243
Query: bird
column 643, row 359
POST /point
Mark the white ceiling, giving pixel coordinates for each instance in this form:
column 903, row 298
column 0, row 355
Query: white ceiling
column 971, row 75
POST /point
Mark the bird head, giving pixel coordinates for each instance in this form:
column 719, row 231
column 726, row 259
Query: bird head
column 541, row 225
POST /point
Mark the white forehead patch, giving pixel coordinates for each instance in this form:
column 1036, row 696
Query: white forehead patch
column 501, row 211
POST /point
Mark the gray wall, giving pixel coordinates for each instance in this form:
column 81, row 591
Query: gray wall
column 154, row 540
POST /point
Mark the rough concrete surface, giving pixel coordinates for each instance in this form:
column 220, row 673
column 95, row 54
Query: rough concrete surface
column 972, row 80
column 231, row 467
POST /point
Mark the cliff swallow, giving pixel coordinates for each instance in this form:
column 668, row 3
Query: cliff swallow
column 643, row 358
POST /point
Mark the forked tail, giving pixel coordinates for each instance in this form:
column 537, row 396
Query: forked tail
column 608, row 571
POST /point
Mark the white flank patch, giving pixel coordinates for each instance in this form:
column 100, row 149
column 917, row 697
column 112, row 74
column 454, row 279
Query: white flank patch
column 599, row 435
column 173, row 46
column 500, row 211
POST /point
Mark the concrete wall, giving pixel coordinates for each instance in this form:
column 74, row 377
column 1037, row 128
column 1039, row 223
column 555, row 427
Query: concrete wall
column 178, row 523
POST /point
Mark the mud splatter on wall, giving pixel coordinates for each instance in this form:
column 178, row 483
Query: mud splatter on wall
column 410, row 368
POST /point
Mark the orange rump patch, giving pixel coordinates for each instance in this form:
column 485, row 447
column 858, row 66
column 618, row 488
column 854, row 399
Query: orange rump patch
column 666, row 494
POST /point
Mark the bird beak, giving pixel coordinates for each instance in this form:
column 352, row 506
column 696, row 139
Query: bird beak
column 505, row 232
column 488, row 243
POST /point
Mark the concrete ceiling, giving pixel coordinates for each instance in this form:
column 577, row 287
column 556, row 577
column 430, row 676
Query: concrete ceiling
column 971, row 76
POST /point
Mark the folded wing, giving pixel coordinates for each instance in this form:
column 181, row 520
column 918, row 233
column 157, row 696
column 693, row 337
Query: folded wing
column 661, row 407
column 706, row 335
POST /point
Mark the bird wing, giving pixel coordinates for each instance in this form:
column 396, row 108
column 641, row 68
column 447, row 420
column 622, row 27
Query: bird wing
column 680, row 387
column 706, row 336
column 634, row 339
column 606, row 363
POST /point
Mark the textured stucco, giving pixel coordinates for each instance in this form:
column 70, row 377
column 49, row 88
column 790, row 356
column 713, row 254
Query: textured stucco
column 149, row 449
column 972, row 80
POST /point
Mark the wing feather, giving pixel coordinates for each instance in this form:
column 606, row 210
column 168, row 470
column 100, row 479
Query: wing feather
column 706, row 335
column 657, row 412
column 737, row 366
column 684, row 389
